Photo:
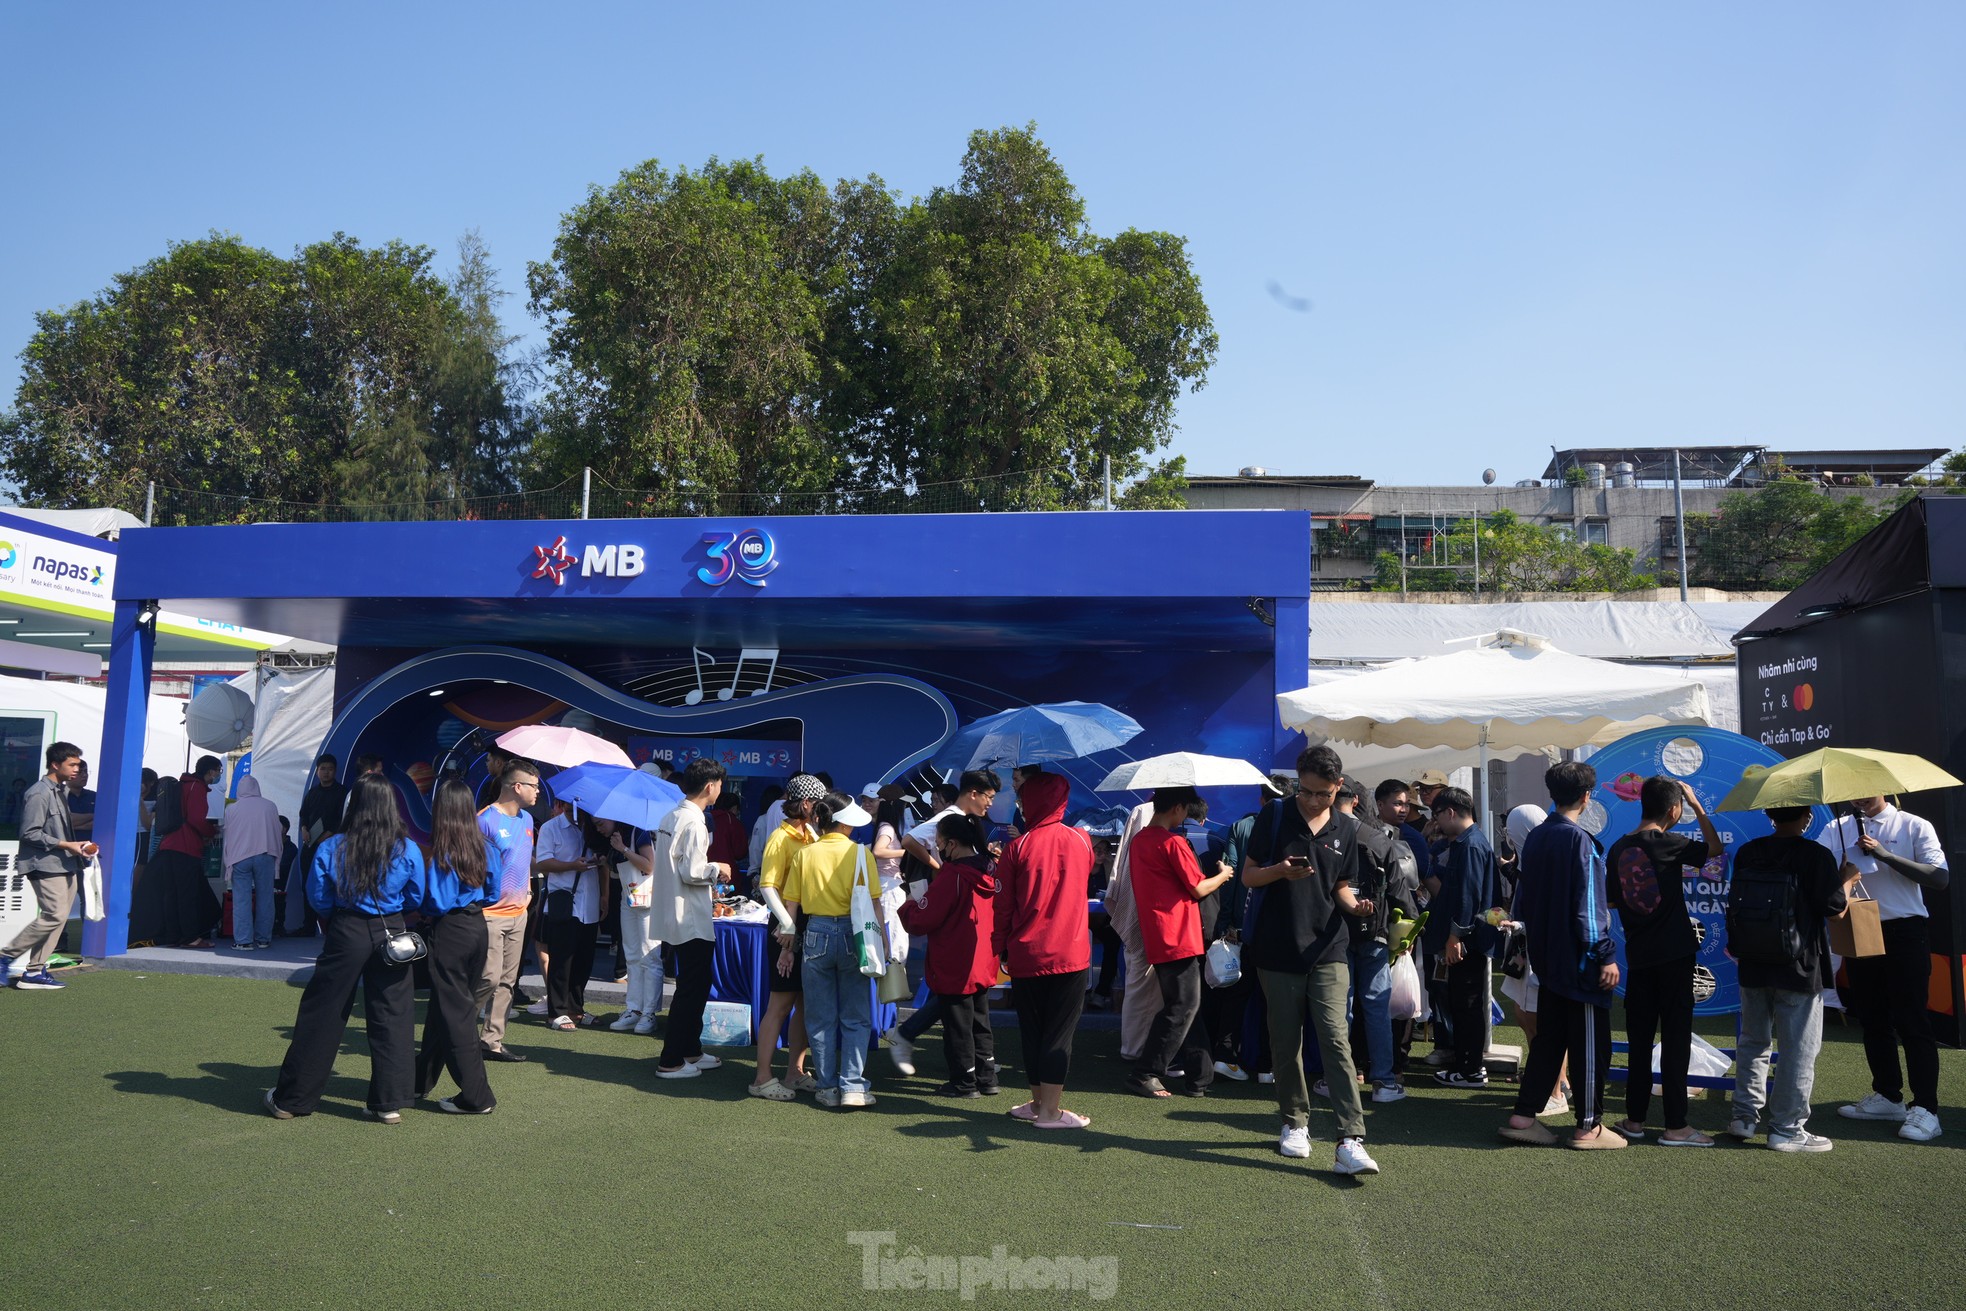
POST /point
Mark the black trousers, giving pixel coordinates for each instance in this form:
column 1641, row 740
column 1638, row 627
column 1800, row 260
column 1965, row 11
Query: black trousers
column 349, row 958
column 1581, row 1030
column 450, row 1026
column 1048, row 1009
column 1174, row 1038
column 683, row 1038
column 1892, row 993
column 1466, row 995
column 1659, row 997
column 1222, row 1011
column 569, row 961
column 967, row 1040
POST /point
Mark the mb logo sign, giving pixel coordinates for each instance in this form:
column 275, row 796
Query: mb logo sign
column 616, row 560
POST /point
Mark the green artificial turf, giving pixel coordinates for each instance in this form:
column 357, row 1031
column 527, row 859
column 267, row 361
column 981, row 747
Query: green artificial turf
column 142, row 1172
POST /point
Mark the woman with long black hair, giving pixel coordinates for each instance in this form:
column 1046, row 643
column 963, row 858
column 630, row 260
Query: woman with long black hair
column 454, row 901
column 361, row 881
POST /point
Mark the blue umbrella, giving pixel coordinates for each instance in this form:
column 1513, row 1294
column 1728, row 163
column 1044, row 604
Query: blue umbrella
column 1064, row 730
column 626, row 796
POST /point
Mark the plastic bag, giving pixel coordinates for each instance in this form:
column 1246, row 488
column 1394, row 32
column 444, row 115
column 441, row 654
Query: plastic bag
column 1407, row 998
column 1706, row 1061
column 1222, row 966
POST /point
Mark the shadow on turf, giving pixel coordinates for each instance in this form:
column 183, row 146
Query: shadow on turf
column 237, row 1088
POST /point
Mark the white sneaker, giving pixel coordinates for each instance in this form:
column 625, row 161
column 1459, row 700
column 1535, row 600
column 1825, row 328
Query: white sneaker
column 1228, row 1071
column 645, row 1025
column 900, row 1051
column 1920, row 1126
column 1800, row 1141
column 1295, row 1143
column 537, row 1008
column 628, row 1020
column 1557, row 1105
column 1740, row 1128
column 1874, row 1106
column 1266, row 1077
column 850, row 1099
column 1388, row 1092
column 1352, row 1158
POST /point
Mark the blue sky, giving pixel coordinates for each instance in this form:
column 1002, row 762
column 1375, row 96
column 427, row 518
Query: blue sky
column 1518, row 225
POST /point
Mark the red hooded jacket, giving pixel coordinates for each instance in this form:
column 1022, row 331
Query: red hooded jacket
column 959, row 920
column 1041, row 880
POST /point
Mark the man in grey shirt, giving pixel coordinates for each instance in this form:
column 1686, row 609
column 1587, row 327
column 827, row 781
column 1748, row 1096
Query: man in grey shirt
column 51, row 858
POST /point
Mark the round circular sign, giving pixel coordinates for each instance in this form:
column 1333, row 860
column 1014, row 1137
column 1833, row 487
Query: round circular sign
column 1712, row 761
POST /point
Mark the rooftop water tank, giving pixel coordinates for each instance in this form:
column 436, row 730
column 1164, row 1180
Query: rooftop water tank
column 1253, row 471
column 1594, row 475
column 1624, row 474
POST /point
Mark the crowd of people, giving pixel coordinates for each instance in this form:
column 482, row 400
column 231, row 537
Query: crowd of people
column 1273, row 951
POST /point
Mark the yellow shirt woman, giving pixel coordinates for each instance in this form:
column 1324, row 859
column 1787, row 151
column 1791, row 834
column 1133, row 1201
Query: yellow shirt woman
column 820, row 877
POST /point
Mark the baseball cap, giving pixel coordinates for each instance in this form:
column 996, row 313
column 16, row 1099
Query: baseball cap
column 871, row 790
column 1430, row 778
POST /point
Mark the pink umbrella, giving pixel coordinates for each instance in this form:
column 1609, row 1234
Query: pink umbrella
column 562, row 746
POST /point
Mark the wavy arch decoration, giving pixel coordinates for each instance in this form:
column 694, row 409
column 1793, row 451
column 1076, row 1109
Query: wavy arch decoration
column 860, row 727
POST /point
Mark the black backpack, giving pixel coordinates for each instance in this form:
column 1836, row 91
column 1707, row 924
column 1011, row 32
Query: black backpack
column 169, row 810
column 1761, row 926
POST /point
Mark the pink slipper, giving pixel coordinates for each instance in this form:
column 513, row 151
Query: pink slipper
column 1028, row 1111
column 1065, row 1120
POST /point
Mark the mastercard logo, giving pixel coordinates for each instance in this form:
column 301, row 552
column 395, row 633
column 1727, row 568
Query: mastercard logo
column 1805, row 697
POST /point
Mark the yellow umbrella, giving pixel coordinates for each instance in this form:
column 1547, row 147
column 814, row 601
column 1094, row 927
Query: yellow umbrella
column 1833, row 774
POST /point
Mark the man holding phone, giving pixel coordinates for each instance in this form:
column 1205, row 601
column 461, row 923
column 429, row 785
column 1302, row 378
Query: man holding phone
column 1300, row 865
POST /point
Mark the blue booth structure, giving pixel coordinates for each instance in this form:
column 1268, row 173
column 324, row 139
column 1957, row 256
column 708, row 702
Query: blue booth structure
column 851, row 644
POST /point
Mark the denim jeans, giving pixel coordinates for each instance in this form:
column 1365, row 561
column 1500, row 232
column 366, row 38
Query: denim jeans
column 1794, row 1020
column 839, row 1004
column 1372, row 1006
column 252, row 899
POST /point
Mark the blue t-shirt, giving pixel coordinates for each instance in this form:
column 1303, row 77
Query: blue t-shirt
column 510, row 838
column 400, row 886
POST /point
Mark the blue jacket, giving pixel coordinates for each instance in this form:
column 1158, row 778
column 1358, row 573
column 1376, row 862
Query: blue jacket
column 400, row 888
column 444, row 893
column 1560, row 900
column 1468, row 887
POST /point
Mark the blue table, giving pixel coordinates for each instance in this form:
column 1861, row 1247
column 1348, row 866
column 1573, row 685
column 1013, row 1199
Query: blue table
column 738, row 972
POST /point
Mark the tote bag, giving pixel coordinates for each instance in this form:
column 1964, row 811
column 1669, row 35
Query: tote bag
column 868, row 939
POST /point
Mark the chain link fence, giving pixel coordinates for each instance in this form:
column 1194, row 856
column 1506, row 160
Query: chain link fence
column 593, row 498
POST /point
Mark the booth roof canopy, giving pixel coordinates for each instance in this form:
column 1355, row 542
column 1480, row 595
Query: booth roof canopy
column 1923, row 545
column 1621, row 630
column 1119, row 579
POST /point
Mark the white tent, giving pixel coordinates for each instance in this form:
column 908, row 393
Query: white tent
column 1509, row 693
column 1610, row 630
column 74, row 713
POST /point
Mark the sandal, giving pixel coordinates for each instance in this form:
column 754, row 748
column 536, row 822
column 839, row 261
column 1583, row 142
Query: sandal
column 1635, row 1132
column 774, row 1091
column 1066, row 1120
column 1694, row 1139
column 1530, row 1135
column 1148, row 1087
column 1028, row 1111
column 805, row 1083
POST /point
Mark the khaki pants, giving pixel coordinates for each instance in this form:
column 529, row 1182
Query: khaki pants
column 1322, row 994
column 32, row 946
column 505, row 945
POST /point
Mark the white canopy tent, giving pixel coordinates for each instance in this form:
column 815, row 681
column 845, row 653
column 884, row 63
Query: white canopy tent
column 1509, row 693
column 1608, row 630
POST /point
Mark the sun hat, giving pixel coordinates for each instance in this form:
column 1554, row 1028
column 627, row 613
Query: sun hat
column 804, row 787
column 852, row 816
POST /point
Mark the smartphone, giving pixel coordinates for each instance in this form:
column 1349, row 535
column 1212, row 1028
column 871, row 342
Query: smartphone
column 1298, row 862
column 918, row 890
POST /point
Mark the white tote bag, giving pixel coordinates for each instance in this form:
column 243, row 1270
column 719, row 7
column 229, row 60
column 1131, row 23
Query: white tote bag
column 867, row 935
column 637, row 888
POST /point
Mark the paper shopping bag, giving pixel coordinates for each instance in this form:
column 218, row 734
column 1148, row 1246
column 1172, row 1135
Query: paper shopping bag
column 1858, row 931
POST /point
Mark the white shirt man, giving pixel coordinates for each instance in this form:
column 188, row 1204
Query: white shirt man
column 1907, row 837
column 680, row 914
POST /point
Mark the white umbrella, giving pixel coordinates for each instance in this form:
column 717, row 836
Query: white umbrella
column 1511, row 690
column 1181, row 769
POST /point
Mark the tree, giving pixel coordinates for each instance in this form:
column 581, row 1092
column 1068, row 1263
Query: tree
column 686, row 318
column 726, row 331
column 1515, row 557
column 342, row 375
column 1774, row 536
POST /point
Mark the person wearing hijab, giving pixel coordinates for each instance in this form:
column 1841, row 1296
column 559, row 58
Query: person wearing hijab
column 251, row 851
column 362, row 880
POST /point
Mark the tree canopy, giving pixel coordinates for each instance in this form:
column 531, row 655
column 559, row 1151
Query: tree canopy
column 1774, row 536
column 342, row 375
column 1515, row 556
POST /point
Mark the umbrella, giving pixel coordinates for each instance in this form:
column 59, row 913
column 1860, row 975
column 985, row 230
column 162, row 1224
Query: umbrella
column 1182, row 769
column 1064, row 730
column 1101, row 821
column 558, row 745
column 1509, row 690
column 1832, row 774
column 626, row 796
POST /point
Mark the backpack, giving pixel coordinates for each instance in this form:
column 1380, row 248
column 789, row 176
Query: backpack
column 1761, row 925
column 169, row 811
